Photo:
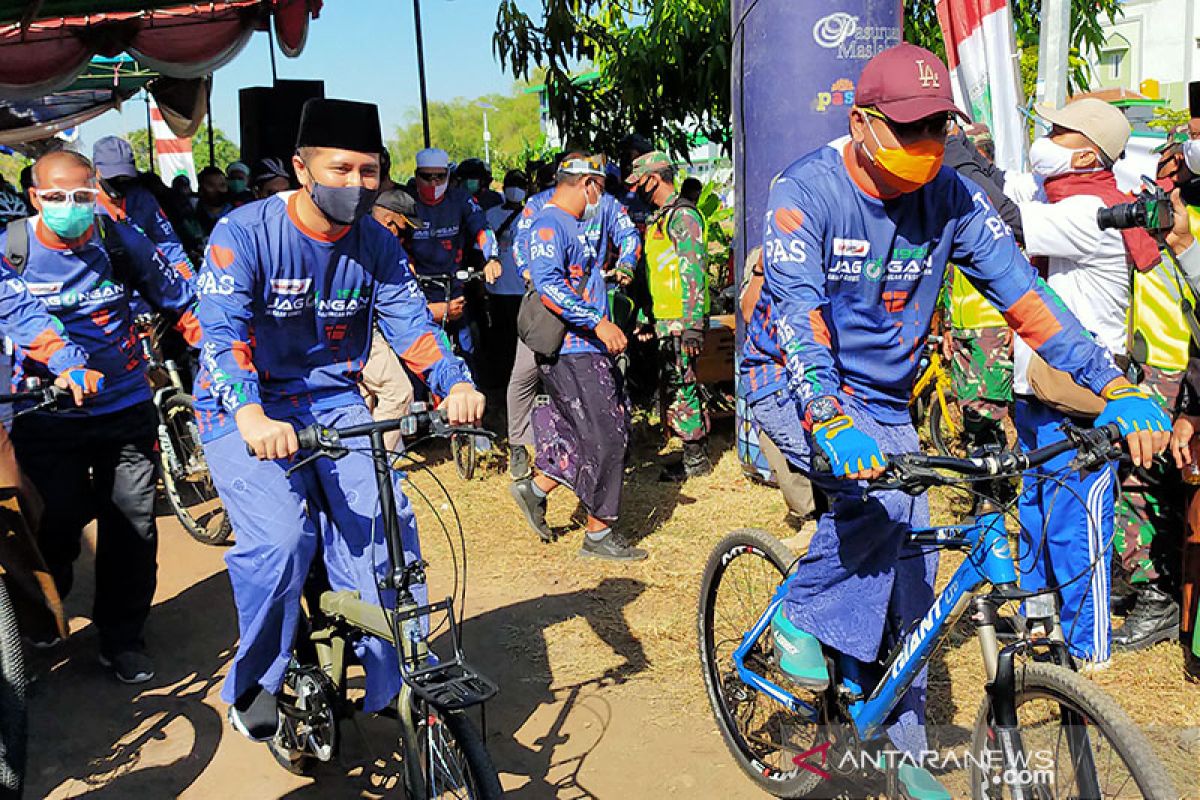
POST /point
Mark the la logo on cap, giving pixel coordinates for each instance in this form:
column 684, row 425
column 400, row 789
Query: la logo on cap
column 927, row 76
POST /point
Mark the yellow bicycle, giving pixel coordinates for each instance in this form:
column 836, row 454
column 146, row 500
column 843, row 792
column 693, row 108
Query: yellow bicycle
column 933, row 403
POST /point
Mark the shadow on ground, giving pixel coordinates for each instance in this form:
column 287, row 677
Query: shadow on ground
column 100, row 727
column 508, row 645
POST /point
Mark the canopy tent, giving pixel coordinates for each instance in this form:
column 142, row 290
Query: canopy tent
column 104, row 84
column 45, row 45
column 63, row 62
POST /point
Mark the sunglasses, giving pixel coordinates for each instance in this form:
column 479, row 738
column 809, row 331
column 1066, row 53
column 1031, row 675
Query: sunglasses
column 926, row 127
column 432, row 177
column 81, row 196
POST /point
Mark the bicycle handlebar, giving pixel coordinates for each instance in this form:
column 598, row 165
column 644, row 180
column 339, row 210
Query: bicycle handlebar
column 445, row 280
column 429, row 422
column 44, row 396
column 914, row 473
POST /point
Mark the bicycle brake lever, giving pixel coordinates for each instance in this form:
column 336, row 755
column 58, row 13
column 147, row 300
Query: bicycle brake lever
column 333, row 453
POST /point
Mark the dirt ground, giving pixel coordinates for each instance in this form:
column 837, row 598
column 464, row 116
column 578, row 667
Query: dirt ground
column 601, row 695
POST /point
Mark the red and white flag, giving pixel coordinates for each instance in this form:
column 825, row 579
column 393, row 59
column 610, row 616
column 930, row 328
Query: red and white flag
column 981, row 54
column 172, row 154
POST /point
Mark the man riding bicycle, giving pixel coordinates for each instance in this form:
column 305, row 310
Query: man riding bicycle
column 289, row 290
column 857, row 237
column 452, row 222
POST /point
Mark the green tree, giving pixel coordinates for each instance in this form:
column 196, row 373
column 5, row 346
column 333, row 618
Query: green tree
column 226, row 151
column 663, row 65
column 456, row 126
column 11, row 166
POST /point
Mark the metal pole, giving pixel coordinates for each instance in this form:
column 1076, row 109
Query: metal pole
column 1052, row 52
column 212, row 146
column 150, row 135
column 487, row 138
column 271, row 47
column 421, row 70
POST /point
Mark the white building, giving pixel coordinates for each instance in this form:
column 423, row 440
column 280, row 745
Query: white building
column 1154, row 40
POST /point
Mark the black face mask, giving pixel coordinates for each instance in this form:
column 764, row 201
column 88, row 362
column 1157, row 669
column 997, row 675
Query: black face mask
column 343, row 205
column 1190, row 192
column 645, row 194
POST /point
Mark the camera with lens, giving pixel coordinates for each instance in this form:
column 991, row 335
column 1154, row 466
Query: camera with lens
column 1150, row 210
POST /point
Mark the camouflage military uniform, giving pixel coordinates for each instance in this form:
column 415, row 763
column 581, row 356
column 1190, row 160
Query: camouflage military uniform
column 683, row 409
column 1150, row 516
column 981, row 368
column 981, row 360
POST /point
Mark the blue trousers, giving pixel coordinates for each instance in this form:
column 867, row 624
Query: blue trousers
column 278, row 521
column 861, row 584
column 1067, row 533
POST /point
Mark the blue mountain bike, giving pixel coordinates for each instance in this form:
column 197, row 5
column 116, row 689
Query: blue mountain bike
column 1042, row 731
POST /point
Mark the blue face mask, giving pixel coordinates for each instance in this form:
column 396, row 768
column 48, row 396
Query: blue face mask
column 69, row 220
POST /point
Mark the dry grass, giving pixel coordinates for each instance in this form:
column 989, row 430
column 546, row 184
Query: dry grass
column 679, row 526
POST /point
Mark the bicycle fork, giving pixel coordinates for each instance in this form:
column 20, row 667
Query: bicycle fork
column 1000, row 665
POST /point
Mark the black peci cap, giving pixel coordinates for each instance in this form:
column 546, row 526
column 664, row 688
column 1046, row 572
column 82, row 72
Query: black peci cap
column 342, row 124
column 1194, row 99
column 401, row 202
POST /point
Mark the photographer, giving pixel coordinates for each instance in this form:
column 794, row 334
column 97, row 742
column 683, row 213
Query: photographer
column 1067, row 519
column 1150, row 510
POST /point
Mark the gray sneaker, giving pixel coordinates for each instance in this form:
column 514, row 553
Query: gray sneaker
column 129, row 666
column 533, row 507
column 611, row 548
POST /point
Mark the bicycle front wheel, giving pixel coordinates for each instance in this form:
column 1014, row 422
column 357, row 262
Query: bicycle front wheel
column 764, row 737
column 946, row 432
column 1076, row 742
column 190, row 489
column 463, row 449
column 453, row 759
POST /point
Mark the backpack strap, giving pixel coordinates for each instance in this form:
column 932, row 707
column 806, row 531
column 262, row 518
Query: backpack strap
column 16, row 248
column 504, row 226
column 118, row 254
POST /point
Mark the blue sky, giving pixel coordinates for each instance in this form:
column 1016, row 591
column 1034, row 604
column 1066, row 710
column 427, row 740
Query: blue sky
column 363, row 50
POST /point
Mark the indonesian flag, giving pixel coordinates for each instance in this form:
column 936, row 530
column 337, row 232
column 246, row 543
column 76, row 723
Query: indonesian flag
column 983, row 69
column 172, row 154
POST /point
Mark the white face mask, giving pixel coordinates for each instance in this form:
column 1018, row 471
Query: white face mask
column 1050, row 159
column 592, row 209
column 514, row 194
column 1191, row 155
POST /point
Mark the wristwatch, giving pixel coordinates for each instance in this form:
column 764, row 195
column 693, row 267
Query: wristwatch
column 821, row 409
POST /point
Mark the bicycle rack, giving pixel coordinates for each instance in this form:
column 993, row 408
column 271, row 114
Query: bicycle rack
column 446, row 685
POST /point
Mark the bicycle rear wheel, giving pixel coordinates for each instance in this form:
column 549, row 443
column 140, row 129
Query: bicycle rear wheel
column 13, row 711
column 453, row 759
column 1077, row 742
column 739, row 581
column 190, row 489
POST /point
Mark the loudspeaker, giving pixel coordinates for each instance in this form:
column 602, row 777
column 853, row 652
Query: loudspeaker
column 270, row 118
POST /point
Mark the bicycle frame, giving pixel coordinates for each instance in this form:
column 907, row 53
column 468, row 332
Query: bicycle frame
column 989, row 560
column 936, row 377
column 447, row 684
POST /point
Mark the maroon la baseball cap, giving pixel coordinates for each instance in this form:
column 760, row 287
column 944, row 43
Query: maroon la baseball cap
column 906, row 83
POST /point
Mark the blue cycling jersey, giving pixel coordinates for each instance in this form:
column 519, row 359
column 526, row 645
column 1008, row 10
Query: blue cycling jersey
column 286, row 314
column 852, row 280
column 610, row 225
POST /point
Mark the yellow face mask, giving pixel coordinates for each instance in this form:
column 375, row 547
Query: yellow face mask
column 908, row 167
